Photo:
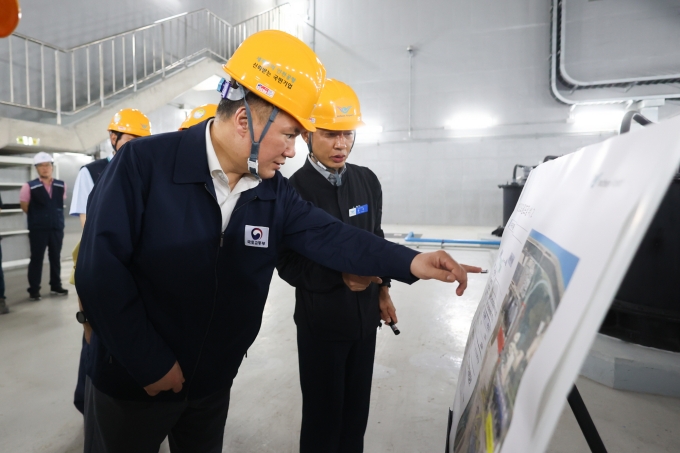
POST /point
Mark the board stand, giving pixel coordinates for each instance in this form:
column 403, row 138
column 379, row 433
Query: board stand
column 585, row 422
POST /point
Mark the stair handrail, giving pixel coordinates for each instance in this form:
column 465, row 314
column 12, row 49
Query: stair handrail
column 134, row 57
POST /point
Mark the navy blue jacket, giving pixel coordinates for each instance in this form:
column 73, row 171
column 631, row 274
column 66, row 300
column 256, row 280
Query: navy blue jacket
column 160, row 281
column 45, row 212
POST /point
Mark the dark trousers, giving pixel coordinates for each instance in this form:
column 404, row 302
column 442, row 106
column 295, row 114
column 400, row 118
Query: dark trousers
column 335, row 378
column 116, row 426
column 41, row 240
column 2, row 275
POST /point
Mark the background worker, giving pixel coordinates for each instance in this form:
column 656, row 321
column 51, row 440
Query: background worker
column 43, row 200
column 198, row 115
column 181, row 243
column 125, row 125
column 3, row 303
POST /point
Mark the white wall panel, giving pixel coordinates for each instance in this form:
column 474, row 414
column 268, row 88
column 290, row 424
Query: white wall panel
column 612, row 39
column 454, row 182
column 485, row 56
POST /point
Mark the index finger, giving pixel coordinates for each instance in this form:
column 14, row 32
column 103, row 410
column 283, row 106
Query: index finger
column 377, row 280
column 471, row 269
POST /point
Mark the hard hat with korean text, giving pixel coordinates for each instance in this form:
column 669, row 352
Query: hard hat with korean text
column 282, row 70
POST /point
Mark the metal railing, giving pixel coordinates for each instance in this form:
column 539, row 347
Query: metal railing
column 46, row 78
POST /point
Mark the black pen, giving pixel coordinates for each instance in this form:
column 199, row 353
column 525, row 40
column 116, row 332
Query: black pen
column 394, row 327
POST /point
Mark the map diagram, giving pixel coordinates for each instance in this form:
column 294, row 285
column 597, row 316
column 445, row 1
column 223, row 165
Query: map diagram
column 504, row 339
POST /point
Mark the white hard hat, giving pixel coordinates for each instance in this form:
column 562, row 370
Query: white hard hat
column 41, row 158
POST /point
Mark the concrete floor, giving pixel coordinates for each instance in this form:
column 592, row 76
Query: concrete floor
column 414, row 379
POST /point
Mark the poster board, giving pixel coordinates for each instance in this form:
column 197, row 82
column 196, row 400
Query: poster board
column 564, row 253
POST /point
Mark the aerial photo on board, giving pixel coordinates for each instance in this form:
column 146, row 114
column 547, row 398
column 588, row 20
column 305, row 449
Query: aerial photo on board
column 542, row 275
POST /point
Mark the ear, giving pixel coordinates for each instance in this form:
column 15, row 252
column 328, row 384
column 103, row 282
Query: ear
column 240, row 122
column 305, row 136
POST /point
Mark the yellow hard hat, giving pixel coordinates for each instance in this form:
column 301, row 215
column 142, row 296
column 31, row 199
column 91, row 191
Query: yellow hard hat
column 198, row 115
column 130, row 121
column 338, row 108
column 280, row 69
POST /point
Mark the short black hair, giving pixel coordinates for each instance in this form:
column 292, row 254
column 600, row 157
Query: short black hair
column 258, row 106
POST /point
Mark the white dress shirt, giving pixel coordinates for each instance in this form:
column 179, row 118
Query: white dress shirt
column 81, row 191
column 226, row 197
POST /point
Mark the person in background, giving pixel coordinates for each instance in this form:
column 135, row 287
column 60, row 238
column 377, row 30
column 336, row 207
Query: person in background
column 198, row 115
column 42, row 199
column 3, row 303
column 125, row 126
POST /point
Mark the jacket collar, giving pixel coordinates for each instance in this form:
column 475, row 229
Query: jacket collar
column 266, row 189
column 191, row 165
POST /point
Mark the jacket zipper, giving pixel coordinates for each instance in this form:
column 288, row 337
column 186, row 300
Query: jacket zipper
column 232, row 213
column 212, row 312
column 235, row 209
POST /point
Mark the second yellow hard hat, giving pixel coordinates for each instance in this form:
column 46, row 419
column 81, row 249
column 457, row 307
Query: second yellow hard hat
column 338, row 108
column 198, row 115
column 131, row 121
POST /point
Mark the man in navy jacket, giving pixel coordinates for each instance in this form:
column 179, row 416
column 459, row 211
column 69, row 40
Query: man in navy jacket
column 180, row 245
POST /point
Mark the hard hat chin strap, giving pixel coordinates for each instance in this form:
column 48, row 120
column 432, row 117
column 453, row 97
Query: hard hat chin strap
column 255, row 145
column 234, row 92
column 118, row 135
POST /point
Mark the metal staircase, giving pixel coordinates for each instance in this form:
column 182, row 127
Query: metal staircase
column 61, row 85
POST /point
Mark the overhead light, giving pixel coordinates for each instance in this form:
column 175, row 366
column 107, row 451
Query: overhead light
column 28, row 141
column 467, row 121
column 370, row 133
column 596, row 118
column 300, row 11
column 209, row 84
column 371, row 129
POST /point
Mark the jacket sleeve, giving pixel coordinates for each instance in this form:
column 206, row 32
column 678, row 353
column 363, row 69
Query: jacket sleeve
column 317, row 235
column 378, row 220
column 303, row 273
column 104, row 280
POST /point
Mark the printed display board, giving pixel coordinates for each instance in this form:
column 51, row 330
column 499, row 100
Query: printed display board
column 564, row 252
